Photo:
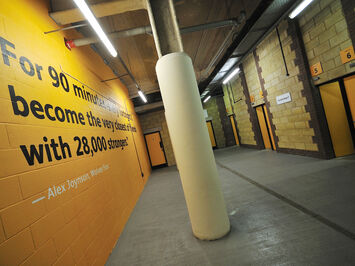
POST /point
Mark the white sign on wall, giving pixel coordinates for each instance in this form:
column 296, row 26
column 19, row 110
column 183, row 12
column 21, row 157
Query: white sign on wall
column 205, row 113
column 283, row 98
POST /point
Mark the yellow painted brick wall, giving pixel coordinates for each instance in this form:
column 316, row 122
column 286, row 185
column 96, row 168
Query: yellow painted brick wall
column 325, row 34
column 156, row 121
column 252, row 78
column 227, row 100
column 213, row 114
column 82, row 224
column 290, row 119
column 242, row 117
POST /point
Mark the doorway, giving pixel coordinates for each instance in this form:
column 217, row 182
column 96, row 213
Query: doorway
column 265, row 127
column 349, row 84
column 338, row 103
column 155, row 149
column 211, row 134
column 235, row 132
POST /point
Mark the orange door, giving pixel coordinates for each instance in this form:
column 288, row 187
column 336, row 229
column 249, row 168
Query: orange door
column 263, row 127
column 155, row 149
column 269, row 127
column 211, row 133
column 337, row 120
column 350, row 93
column 231, row 117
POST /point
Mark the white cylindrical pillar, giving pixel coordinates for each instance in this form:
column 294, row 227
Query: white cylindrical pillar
column 192, row 146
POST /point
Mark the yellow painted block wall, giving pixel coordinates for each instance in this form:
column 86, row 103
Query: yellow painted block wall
column 213, row 115
column 240, row 108
column 155, row 121
column 325, row 34
column 252, row 79
column 70, row 209
column 290, row 119
column 227, row 100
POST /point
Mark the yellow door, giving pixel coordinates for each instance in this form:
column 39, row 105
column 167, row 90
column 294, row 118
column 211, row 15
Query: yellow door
column 231, row 117
column 155, row 149
column 263, row 127
column 336, row 117
column 269, row 127
column 350, row 93
column 211, row 133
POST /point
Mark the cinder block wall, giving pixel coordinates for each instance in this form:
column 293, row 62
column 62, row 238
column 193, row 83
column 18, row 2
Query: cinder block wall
column 325, row 33
column 265, row 71
column 239, row 106
column 252, row 79
column 213, row 114
column 291, row 120
column 80, row 224
column 299, row 126
column 228, row 102
column 155, row 121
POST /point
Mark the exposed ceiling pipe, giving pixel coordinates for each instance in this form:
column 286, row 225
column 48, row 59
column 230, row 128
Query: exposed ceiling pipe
column 148, row 30
column 278, row 21
column 203, row 84
column 112, row 36
column 67, row 28
column 259, row 10
column 240, row 19
column 211, row 25
column 128, row 72
column 108, row 62
column 218, row 53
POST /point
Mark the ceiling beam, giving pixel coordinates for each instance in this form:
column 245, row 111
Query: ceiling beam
column 258, row 11
column 149, row 107
column 100, row 10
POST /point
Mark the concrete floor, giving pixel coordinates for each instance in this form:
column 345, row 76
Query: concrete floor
column 284, row 210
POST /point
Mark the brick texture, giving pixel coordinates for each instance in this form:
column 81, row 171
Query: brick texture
column 252, row 113
column 252, row 79
column 2, row 234
column 66, row 259
column 349, row 14
column 36, row 229
column 22, row 243
column 234, row 95
column 10, row 191
column 299, row 126
column 291, row 120
column 325, row 33
column 156, row 121
column 228, row 99
column 318, row 122
column 212, row 107
column 46, row 255
column 226, row 123
column 264, row 94
column 21, row 215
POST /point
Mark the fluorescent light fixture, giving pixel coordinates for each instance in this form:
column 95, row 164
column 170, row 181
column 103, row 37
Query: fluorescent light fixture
column 206, row 100
column 300, row 8
column 84, row 8
column 141, row 94
column 231, row 75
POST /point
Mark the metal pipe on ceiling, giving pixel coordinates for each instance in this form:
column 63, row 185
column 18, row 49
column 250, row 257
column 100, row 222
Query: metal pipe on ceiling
column 211, row 25
column 237, row 42
column 148, row 30
column 222, row 47
column 271, row 28
column 259, row 10
column 67, row 28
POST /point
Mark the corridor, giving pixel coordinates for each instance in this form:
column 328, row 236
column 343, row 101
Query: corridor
column 284, row 210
